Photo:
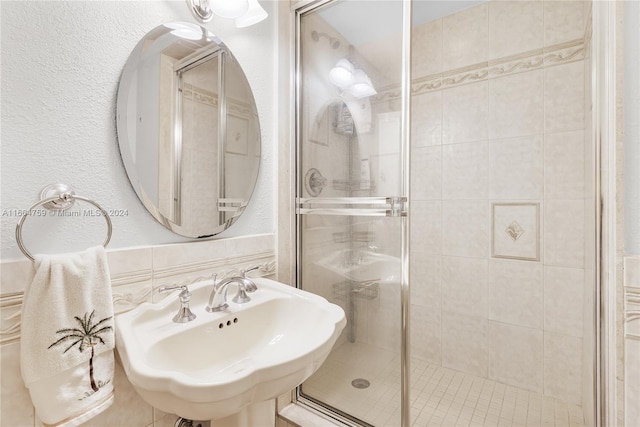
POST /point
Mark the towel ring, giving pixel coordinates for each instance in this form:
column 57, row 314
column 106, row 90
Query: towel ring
column 63, row 199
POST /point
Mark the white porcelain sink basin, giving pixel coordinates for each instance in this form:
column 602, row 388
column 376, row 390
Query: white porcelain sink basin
column 220, row 363
column 362, row 265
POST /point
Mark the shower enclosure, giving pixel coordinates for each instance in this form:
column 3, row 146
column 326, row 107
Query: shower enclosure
column 445, row 199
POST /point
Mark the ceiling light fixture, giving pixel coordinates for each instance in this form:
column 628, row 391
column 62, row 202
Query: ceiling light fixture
column 350, row 79
column 255, row 13
column 341, row 74
column 245, row 12
column 229, row 8
column 362, row 86
column 200, row 10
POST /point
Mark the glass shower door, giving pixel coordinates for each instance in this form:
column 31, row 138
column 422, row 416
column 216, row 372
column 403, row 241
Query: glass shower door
column 351, row 200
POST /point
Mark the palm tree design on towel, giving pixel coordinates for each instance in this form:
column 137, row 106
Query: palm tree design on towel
column 87, row 335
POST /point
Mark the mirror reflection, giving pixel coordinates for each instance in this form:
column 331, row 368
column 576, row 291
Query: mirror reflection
column 188, row 130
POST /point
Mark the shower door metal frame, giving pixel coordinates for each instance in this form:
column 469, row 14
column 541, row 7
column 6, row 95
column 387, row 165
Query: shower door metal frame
column 181, row 67
column 378, row 206
column 604, row 133
column 604, row 112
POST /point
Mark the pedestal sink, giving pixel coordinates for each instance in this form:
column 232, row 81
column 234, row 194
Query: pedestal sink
column 223, row 363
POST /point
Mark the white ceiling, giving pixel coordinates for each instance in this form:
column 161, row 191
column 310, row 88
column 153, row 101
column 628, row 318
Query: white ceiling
column 362, row 21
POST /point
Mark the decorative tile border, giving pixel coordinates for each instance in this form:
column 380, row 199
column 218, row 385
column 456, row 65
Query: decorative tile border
column 540, row 58
column 134, row 287
column 10, row 306
column 632, row 298
column 239, row 108
column 200, row 95
column 515, row 231
column 261, row 260
column 206, row 97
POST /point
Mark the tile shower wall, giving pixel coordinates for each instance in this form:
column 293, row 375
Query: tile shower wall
column 135, row 273
column 498, row 190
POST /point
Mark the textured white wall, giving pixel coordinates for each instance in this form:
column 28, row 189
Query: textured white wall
column 632, row 127
column 61, row 63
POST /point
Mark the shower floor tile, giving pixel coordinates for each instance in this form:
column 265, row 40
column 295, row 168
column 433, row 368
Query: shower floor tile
column 439, row 396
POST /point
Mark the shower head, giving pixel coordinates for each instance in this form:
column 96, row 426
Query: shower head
column 333, row 42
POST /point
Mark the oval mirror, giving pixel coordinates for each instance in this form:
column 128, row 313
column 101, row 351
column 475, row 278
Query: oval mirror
column 188, row 130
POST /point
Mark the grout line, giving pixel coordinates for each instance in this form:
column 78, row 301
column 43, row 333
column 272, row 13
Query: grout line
column 440, row 396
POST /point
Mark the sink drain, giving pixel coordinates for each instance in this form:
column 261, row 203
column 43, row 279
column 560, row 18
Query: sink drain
column 360, row 383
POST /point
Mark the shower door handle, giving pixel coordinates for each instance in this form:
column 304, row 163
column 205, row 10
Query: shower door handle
column 395, row 206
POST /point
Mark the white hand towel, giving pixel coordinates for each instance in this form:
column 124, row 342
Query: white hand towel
column 67, row 339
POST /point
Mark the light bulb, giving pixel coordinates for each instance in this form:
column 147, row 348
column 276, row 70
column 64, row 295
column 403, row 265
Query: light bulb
column 342, row 74
column 254, row 14
column 362, row 86
column 229, row 8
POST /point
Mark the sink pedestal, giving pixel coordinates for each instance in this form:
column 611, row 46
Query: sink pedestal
column 260, row 414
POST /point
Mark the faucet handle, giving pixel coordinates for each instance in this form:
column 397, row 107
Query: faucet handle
column 243, row 273
column 184, row 314
column 169, row 288
column 249, row 287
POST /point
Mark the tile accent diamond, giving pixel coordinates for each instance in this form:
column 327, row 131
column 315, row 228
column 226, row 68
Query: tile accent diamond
column 515, row 231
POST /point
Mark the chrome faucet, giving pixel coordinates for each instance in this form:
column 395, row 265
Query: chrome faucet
column 218, row 297
column 184, row 314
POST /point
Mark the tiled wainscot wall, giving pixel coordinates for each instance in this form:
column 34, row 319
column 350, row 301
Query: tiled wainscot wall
column 632, row 339
column 135, row 274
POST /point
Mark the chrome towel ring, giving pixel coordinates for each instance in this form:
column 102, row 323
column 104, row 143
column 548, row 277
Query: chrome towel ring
column 58, row 197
